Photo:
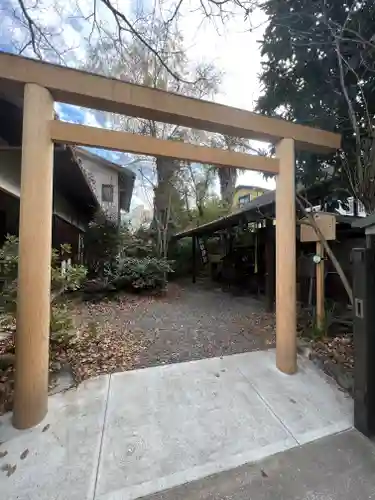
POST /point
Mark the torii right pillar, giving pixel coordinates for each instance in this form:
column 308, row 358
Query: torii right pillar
column 286, row 311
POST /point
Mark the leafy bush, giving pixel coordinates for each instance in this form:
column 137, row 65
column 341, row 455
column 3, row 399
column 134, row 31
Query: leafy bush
column 102, row 245
column 116, row 256
column 61, row 282
column 139, row 244
column 8, row 274
column 61, row 325
column 70, row 279
column 180, row 252
column 141, row 273
column 105, row 241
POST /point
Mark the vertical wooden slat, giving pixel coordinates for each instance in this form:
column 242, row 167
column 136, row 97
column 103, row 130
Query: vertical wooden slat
column 320, row 292
column 194, row 257
column 270, row 266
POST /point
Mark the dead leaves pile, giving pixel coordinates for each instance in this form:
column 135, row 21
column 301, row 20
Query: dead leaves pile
column 339, row 350
column 105, row 341
column 6, row 390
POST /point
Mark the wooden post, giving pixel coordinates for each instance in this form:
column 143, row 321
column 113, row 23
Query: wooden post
column 286, row 328
column 320, row 294
column 194, row 257
column 34, row 270
column 270, row 266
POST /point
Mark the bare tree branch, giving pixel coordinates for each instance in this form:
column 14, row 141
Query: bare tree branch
column 37, row 34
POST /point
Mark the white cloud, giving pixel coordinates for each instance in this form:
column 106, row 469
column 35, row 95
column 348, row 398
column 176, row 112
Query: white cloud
column 233, row 48
column 90, row 119
column 255, row 179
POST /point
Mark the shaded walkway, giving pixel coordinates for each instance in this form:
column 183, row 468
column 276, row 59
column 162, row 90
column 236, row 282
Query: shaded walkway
column 339, row 467
column 127, row 435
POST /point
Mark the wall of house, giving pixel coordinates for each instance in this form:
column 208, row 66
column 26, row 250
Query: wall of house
column 10, row 182
column 62, row 233
column 250, row 193
column 102, row 175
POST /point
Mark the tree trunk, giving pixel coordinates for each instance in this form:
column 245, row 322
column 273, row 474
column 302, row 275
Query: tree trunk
column 227, row 177
column 166, row 169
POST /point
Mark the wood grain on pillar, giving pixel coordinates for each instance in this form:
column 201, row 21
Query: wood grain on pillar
column 286, row 327
column 34, row 270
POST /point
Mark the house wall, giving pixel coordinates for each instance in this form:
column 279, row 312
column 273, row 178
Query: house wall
column 242, row 192
column 100, row 174
column 10, row 182
column 62, row 233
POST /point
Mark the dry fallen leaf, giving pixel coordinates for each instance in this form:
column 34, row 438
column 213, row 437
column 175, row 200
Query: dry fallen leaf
column 24, row 454
column 9, row 469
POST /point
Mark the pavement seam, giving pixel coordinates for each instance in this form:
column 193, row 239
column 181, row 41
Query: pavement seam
column 102, row 437
column 285, row 427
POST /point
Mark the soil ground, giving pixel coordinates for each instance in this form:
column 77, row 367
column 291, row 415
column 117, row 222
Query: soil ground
column 189, row 322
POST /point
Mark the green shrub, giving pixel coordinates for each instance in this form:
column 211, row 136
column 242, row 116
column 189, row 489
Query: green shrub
column 61, row 282
column 102, row 245
column 105, row 242
column 180, row 253
column 141, row 273
column 71, row 279
column 61, row 325
column 139, row 244
column 124, row 259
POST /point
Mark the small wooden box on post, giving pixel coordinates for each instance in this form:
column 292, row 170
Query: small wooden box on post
column 326, row 222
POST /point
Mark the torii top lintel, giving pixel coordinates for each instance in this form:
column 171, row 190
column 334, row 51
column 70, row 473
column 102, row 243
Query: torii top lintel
column 98, row 92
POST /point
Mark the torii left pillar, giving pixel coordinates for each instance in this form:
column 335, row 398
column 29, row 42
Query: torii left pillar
column 34, row 269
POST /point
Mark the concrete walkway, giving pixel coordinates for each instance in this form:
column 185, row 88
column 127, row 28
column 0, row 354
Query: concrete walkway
column 338, row 467
column 132, row 434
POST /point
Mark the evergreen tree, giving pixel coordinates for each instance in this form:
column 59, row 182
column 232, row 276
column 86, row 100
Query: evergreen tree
column 319, row 70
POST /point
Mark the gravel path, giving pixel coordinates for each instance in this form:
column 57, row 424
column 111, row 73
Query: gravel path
column 190, row 322
column 193, row 322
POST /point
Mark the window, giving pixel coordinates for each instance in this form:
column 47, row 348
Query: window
column 243, row 200
column 107, row 193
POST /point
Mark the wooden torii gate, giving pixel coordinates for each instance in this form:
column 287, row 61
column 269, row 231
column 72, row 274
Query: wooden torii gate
column 41, row 84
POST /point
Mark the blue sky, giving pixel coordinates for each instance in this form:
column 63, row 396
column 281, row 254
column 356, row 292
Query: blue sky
column 240, row 86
